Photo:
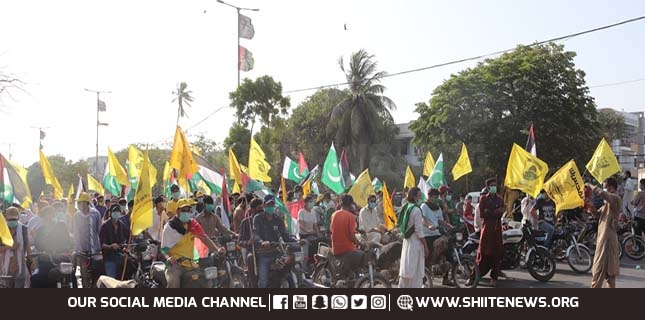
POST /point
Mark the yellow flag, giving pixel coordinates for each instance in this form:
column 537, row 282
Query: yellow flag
column 93, row 184
column 50, row 179
column 236, row 188
column 135, row 160
column 244, row 169
column 409, row 181
column 5, row 234
column 283, row 187
column 306, row 188
column 116, row 170
column 462, row 167
column 566, row 188
column 166, row 172
column 196, row 150
column 428, row 164
column 70, row 200
column 181, row 157
column 142, row 215
column 234, row 167
column 525, row 171
column 22, row 172
column 389, row 217
column 258, row 166
column 362, row 188
column 603, row 163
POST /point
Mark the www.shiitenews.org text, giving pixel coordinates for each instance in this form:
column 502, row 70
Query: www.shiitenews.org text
column 497, row 302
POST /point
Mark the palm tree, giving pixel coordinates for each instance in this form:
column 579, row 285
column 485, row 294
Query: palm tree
column 355, row 122
column 182, row 96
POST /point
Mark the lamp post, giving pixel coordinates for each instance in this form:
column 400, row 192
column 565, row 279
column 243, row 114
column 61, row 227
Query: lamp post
column 239, row 9
column 98, row 124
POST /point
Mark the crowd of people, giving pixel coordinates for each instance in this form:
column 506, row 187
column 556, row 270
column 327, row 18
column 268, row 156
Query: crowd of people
column 100, row 228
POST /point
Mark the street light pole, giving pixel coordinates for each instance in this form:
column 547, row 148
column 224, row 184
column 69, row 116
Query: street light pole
column 98, row 123
column 239, row 9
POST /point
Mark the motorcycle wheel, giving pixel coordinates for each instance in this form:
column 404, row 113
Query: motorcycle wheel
column 237, row 281
column 580, row 263
column 634, row 247
column 379, row 282
column 461, row 273
column 322, row 275
column 591, row 241
column 541, row 265
column 427, row 278
column 560, row 249
column 523, row 250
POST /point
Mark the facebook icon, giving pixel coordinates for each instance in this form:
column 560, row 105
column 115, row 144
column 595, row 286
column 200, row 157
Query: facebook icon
column 280, row 302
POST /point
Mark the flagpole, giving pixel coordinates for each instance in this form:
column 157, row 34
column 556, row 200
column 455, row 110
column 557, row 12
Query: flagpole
column 98, row 124
column 239, row 9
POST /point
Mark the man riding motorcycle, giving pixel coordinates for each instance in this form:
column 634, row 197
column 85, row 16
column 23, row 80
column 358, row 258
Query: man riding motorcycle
column 178, row 241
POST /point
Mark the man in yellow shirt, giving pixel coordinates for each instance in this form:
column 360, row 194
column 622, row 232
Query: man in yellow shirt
column 178, row 241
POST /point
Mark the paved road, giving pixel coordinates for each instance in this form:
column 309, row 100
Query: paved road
column 630, row 277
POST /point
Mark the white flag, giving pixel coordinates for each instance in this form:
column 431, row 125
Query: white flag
column 246, row 29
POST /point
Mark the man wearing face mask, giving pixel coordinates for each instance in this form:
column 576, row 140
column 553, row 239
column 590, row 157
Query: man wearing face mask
column 239, row 214
column 268, row 228
column 100, row 206
column 308, row 224
column 114, row 234
column 87, row 226
column 448, row 206
column 371, row 221
column 544, row 213
column 491, row 247
column 53, row 238
column 178, row 241
column 13, row 259
column 210, row 222
column 199, row 206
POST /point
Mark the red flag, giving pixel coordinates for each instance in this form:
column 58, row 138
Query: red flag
column 344, row 170
column 294, row 208
column 530, row 143
column 226, row 203
column 201, row 248
column 302, row 164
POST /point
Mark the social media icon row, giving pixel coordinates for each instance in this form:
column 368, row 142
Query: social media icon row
column 356, row 302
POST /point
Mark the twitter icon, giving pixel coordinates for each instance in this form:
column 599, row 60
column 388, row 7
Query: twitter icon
column 359, row 302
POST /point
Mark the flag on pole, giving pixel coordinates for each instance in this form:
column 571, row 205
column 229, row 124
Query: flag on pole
column 389, row 217
column 102, row 106
column 5, row 234
column 362, row 188
column 25, row 200
column 530, row 143
column 50, row 179
column 437, row 178
column 116, row 170
column 291, row 171
column 93, row 184
column 209, row 175
column 409, row 179
column 302, row 165
column 603, row 163
column 428, row 164
column 70, row 200
column 566, row 188
column 377, row 185
column 348, row 177
column 246, row 59
column 283, row 188
column 142, row 213
column 423, row 185
column 226, row 202
column 462, row 166
column 245, row 27
column 12, row 186
column 331, row 172
column 258, row 165
column 525, row 172
column 181, row 157
column 234, row 170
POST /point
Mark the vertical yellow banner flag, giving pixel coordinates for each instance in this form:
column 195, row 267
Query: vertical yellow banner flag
column 135, row 158
column 142, row 212
column 362, row 188
column 525, row 171
column 70, row 200
column 462, row 166
column 389, row 217
column 234, row 167
column 428, row 164
column 181, row 157
column 5, row 234
column 603, row 163
column 93, row 184
column 283, row 188
column 306, row 188
column 258, row 166
column 50, row 179
column 409, row 179
column 566, row 188
column 116, row 170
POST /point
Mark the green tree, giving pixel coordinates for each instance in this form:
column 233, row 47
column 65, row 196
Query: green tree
column 490, row 107
column 260, row 98
column 239, row 138
column 357, row 122
column 612, row 125
column 308, row 124
column 274, row 141
column 182, row 96
column 211, row 151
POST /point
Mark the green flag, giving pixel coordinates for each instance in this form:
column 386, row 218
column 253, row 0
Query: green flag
column 437, row 178
column 110, row 183
column 423, row 185
column 377, row 185
column 291, row 171
column 331, row 172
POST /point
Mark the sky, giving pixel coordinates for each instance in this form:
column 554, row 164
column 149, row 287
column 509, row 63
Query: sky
column 140, row 50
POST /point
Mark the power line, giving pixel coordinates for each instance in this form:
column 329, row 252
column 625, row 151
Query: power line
column 569, row 36
column 617, row 83
column 195, row 125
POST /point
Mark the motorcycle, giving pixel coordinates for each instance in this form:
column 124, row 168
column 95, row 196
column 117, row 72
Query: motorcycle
column 287, row 271
column 461, row 266
column 139, row 258
column 631, row 244
column 198, row 275
column 59, row 268
column 521, row 246
column 565, row 246
column 91, row 267
column 230, row 273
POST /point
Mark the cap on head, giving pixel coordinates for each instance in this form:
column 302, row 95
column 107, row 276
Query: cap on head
column 198, row 194
column 269, row 199
column 83, row 197
column 185, row 203
column 12, row 212
column 310, row 197
column 490, row 181
column 172, row 206
column 443, row 189
column 116, row 207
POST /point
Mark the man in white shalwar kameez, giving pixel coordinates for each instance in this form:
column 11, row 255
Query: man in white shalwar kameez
column 415, row 248
column 630, row 187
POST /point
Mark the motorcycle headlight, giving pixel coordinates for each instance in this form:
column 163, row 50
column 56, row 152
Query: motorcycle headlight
column 66, row 267
column 210, row 273
column 298, row 256
column 459, row 236
column 231, row 246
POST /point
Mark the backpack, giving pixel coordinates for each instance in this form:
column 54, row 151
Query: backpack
column 405, row 217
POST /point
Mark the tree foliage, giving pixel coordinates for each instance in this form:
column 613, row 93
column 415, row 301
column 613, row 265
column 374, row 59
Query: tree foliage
column 239, row 139
column 183, row 96
column 612, row 125
column 261, row 99
column 491, row 106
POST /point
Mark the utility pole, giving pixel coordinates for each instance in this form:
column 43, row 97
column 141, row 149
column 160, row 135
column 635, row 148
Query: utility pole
column 239, row 9
column 100, row 106
column 41, row 136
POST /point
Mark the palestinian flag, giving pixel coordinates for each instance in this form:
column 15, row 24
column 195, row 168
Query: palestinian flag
column 207, row 174
column 347, row 177
column 245, row 59
column 13, row 189
column 227, row 210
column 530, row 143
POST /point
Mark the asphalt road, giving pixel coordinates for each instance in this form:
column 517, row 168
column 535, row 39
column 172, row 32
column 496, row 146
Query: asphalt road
column 632, row 275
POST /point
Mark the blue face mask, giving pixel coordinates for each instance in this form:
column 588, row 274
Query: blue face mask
column 61, row 216
column 176, row 195
column 116, row 215
column 492, row 189
column 310, row 205
column 269, row 210
column 372, row 205
column 448, row 197
column 12, row 224
column 200, row 200
column 184, row 217
column 123, row 208
column 209, row 207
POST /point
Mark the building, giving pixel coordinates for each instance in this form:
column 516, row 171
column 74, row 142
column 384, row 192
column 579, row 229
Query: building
column 630, row 148
column 406, row 148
